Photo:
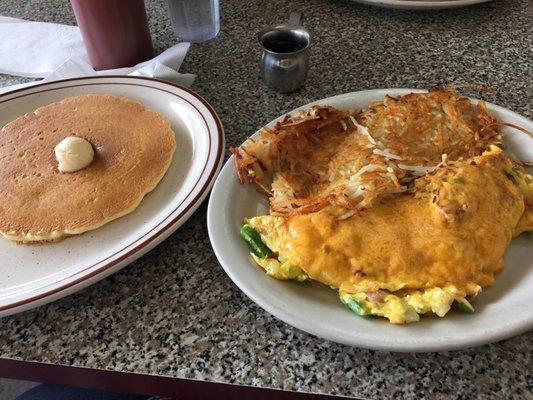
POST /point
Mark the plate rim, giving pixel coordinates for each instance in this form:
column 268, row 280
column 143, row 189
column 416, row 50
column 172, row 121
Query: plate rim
column 74, row 283
column 420, row 5
column 307, row 326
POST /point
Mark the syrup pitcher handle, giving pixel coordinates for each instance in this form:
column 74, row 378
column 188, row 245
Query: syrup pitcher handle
column 296, row 19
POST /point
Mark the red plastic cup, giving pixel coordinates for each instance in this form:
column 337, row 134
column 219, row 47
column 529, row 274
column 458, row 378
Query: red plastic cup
column 115, row 32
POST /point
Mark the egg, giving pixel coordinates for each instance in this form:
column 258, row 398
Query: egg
column 411, row 254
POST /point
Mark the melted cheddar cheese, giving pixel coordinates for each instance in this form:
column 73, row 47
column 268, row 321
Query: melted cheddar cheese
column 420, row 250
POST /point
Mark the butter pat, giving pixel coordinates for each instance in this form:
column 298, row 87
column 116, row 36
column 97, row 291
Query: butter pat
column 73, row 153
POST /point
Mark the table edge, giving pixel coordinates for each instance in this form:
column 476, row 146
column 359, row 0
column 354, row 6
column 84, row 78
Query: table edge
column 144, row 384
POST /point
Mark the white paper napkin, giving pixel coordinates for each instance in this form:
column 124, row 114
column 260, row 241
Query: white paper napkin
column 54, row 51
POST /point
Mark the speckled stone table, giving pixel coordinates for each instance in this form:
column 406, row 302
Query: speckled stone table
column 175, row 313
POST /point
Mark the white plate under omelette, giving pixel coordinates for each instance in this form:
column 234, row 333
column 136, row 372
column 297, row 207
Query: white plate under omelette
column 316, row 309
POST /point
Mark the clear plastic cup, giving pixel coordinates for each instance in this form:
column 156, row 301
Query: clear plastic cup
column 195, row 20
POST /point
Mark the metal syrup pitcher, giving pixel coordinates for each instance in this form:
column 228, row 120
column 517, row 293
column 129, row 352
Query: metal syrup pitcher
column 285, row 57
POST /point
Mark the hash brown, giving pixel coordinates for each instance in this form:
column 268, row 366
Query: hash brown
column 324, row 156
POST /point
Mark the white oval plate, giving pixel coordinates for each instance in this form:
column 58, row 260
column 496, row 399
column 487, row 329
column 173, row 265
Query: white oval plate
column 36, row 274
column 502, row 310
column 421, row 4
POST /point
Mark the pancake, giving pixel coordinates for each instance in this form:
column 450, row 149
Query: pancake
column 133, row 149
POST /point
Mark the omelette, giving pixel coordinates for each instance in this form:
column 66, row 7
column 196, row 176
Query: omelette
column 415, row 251
column 133, row 148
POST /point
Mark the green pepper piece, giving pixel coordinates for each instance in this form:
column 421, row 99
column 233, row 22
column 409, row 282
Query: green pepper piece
column 458, row 179
column 252, row 237
column 465, row 306
column 354, row 305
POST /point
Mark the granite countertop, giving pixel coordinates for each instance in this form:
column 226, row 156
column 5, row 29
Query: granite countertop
column 174, row 312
